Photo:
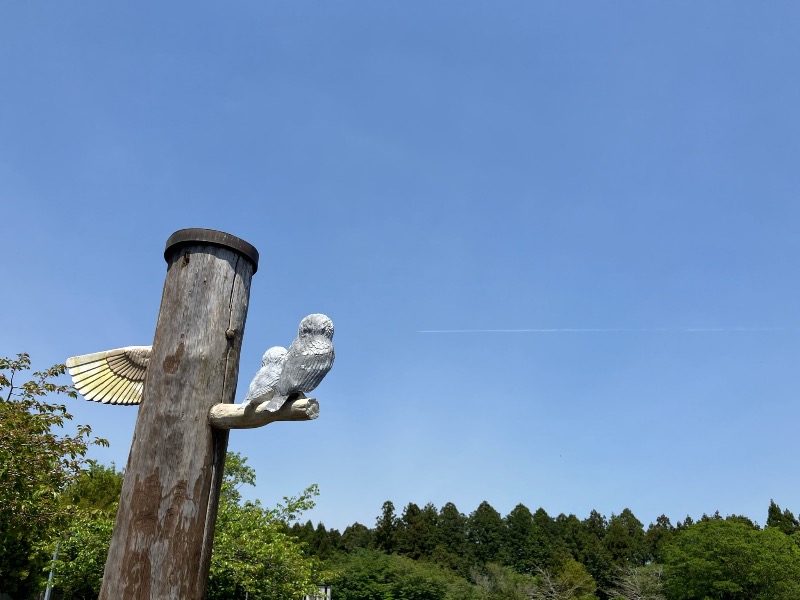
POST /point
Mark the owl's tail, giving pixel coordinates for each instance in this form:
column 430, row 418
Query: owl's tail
column 273, row 404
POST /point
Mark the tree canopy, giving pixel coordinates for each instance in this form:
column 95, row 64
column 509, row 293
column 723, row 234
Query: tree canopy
column 254, row 553
column 719, row 559
column 38, row 461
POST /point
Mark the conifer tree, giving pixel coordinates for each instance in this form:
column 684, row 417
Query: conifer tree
column 485, row 533
column 386, row 529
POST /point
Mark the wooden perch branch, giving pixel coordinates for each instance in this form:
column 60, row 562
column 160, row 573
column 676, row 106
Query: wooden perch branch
column 239, row 416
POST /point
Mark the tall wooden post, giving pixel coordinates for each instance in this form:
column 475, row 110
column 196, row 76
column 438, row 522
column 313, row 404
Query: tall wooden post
column 161, row 547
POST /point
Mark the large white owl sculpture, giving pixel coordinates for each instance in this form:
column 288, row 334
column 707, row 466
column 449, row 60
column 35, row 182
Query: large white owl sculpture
column 306, row 362
column 117, row 376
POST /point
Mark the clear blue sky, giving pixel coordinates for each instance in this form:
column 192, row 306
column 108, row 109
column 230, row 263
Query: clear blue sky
column 410, row 166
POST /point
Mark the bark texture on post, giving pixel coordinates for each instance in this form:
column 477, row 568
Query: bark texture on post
column 161, row 546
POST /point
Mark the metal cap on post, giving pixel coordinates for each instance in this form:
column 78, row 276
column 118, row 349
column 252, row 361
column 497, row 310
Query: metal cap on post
column 189, row 237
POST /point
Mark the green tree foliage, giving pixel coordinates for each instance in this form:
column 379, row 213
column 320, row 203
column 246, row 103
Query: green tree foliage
column 611, row 559
column 571, row 581
column 785, row 521
column 718, row 559
column 407, row 537
column 495, row 582
column 451, row 549
column 82, row 553
column 417, row 531
column 593, row 553
column 545, row 545
column 657, row 536
column 577, row 539
column 373, row 575
column 571, row 534
column 323, row 543
column 639, row 583
column 304, row 533
column 386, row 529
column 520, row 543
column 96, row 489
column 596, row 524
column 335, row 539
column 485, row 533
column 356, row 536
column 253, row 553
column 83, row 547
column 743, row 519
column 624, row 539
column 38, row 461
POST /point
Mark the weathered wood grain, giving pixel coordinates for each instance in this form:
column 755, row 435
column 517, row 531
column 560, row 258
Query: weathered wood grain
column 161, row 547
column 245, row 416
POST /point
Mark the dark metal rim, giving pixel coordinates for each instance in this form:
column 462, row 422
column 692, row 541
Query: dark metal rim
column 184, row 237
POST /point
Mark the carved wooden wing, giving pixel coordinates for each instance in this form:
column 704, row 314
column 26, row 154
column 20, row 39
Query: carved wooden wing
column 112, row 377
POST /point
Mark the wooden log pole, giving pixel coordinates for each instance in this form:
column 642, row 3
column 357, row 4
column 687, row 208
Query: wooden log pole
column 161, row 546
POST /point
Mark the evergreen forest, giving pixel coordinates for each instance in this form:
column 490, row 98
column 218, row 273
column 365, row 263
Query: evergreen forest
column 430, row 553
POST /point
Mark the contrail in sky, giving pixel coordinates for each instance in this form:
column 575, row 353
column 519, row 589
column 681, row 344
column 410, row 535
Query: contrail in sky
column 610, row 330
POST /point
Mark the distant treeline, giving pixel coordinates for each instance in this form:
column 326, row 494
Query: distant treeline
column 726, row 558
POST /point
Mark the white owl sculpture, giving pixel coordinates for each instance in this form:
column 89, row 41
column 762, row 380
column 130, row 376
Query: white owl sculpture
column 117, row 376
column 262, row 388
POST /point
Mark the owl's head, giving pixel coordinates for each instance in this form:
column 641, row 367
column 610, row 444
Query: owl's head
column 316, row 324
column 274, row 355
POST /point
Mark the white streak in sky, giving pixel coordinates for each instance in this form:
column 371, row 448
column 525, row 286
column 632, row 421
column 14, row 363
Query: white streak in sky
column 612, row 330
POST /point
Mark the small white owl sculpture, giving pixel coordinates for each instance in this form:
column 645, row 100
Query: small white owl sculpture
column 117, row 376
column 262, row 388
